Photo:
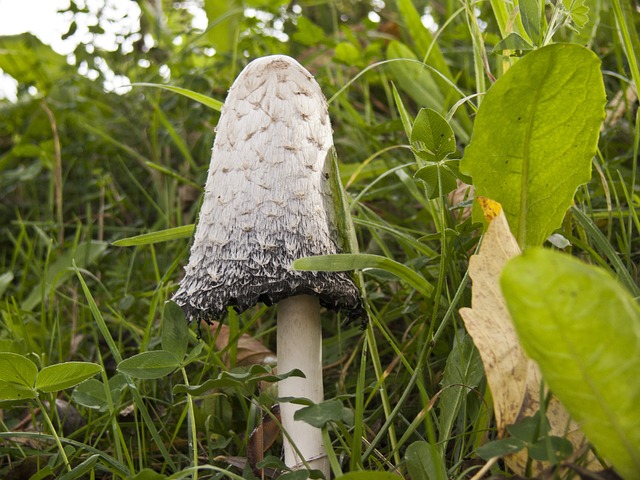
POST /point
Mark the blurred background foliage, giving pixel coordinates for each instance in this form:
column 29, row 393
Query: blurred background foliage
column 86, row 160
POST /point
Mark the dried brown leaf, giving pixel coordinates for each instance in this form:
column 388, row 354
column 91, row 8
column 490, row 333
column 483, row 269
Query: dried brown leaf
column 263, row 437
column 513, row 378
column 249, row 351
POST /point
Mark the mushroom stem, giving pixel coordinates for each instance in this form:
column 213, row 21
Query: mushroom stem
column 299, row 338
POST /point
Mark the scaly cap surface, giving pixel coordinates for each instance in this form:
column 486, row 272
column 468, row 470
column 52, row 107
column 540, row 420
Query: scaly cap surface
column 267, row 199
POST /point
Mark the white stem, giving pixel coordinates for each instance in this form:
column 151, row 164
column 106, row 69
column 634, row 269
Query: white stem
column 299, row 339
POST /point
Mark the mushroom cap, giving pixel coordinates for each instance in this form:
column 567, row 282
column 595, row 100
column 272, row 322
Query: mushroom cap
column 268, row 199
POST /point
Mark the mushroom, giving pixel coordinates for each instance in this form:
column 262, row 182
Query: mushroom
column 268, row 201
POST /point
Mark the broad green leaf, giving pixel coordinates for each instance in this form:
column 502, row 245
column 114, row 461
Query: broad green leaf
column 535, row 135
column 344, row 262
column 347, row 53
column 91, row 394
column 149, row 365
column 514, row 42
column 500, row 448
column 308, row 33
column 30, row 61
column 551, row 449
column 439, row 180
column 318, row 415
column 212, row 103
column 17, row 376
column 65, row 375
column 531, row 18
column 425, row 462
column 367, row 475
column 224, row 21
column 59, row 271
column 175, row 233
column 462, row 372
column 583, row 329
column 432, row 138
column 175, row 330
column 530, row 429
column 14, row 391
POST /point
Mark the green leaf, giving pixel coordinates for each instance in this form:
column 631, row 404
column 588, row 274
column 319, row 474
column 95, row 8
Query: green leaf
column 531, row 19
column 407, row 121
column 31, row 62
column 425, row 462
column 500, row 448
column 147, row 474
column 578, row 12
column 17, row 369
column 462, row 372
column 439, row 180
column 198, row 97
column 175, row 233
column 91, row 394
column 149, row 365
column 14, row 391
column 412, row 77
column 347, row 53
column 514, row 42
column 344, row 262
column 59, row 271
column 81, row 469
column 366, row 475
column 17, row 377
column 175, row 330
column 423, row 38
column 309, row 33
column 224, row 18
column 583, row 329
column 432, row 138
column 65, row 375
column 551, row 449
column 5, row 280
column 319, row 414
column 535, row 135
column 529, row 429
column 238, row 378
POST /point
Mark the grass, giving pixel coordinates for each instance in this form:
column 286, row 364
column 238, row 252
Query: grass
column 81, row 169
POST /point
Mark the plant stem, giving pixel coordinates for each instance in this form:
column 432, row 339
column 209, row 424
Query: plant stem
column 192, row 427
column 47, row 419
column 299, row 338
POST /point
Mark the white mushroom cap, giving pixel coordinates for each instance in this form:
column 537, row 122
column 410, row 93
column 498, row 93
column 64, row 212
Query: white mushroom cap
column 268, row 199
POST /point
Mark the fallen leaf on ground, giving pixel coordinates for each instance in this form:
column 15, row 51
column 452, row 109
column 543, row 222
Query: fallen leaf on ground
column 249, row 351
column 513, row 378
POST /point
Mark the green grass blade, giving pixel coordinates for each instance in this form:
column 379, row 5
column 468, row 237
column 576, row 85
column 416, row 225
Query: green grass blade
column 198, row 97
column 605, row 246
column 344, row 262
column 139, row 401
column 175, row 233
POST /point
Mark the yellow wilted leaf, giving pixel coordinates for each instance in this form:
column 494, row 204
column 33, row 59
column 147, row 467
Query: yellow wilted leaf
column 513, row 378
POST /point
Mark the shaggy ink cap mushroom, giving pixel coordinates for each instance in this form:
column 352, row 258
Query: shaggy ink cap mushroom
column 268, row 199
